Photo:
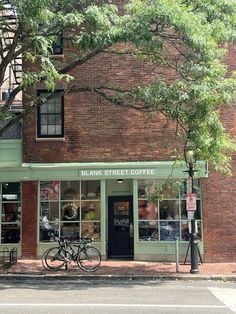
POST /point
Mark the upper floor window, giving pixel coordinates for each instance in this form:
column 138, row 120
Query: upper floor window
column 57, row 46
column 50, row 117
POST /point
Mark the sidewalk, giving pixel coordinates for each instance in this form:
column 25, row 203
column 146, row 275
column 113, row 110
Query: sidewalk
column 114, row 269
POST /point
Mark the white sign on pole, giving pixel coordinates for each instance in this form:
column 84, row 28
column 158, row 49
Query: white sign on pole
column 190, row 214
column 191, row 202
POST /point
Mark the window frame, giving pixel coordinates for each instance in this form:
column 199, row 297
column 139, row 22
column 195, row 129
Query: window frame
column 16, row 223
column 59, row 43
column 161, row 222
column 39, row 117
column 59, row 201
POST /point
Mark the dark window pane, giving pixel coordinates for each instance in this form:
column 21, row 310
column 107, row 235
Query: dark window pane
column 50, row 117
column 44, row 130
column 58, row 130
column 57, row 46
column 11, row 191
column 148, row 231
column 57, row 106
column 10, row 233
column 11, row 212
column 169, row 210
column 43, row 108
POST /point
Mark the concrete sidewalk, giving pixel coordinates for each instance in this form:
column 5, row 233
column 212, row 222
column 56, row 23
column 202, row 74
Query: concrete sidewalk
column 115, row 269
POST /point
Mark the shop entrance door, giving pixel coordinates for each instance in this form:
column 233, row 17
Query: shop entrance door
column 120, row 227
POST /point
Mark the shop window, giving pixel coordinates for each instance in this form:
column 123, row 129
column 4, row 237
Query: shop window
column 70, row 206
column 50, row 117
column 148, row 214
column 10, row 208
column 163, row 215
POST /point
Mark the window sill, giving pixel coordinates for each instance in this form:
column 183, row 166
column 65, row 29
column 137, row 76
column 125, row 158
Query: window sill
column 59, row 56
column 50, row 139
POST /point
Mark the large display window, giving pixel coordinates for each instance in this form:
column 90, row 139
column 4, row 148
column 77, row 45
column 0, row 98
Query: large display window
column 162, row 213
column 69, row 206
column 10, row 209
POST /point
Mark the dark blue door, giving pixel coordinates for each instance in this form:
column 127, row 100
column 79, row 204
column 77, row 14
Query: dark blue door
column 120, row 228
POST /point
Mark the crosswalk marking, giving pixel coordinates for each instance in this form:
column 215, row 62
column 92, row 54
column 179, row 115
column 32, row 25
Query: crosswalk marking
column 225, row 295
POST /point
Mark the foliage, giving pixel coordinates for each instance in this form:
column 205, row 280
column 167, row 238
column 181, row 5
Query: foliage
column 187, row 37
column 156, row 191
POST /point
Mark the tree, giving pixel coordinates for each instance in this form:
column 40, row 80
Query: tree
column 187, row 37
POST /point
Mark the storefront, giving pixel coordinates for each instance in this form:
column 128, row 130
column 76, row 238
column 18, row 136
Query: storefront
column 115, row 203
column 10, row 208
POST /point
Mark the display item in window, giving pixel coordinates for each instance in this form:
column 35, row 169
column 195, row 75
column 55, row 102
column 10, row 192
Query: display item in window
column 90, row 213
column 45, row 226
column 70, row 212
column 89, row 230
column 49, row 191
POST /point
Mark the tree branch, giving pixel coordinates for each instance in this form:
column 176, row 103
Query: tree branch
column 79, row 62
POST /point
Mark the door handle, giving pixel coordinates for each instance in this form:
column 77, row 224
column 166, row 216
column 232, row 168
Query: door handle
column 131, row 230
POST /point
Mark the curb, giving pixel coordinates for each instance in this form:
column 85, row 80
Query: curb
column 128, row 277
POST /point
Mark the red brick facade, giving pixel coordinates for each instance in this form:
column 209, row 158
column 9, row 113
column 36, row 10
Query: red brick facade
column 96, row 131
column 29, row 219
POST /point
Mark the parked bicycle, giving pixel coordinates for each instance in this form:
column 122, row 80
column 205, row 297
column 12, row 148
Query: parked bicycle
column 78, row 250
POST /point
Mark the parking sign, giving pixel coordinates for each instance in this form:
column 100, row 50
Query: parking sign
column 191, row 202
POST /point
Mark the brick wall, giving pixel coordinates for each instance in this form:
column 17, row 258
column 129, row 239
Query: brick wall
column 219, row 196
column 95, row 130
column 219, row 212
column 219, row 209
column 29, row 219
column 98, row 131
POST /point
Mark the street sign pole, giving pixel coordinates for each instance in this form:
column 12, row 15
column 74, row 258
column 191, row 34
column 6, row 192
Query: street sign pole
column 191, row 206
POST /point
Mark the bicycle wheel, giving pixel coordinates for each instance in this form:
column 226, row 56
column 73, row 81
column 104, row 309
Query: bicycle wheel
column 54, row 258
column 89, row 259
column 43, row 260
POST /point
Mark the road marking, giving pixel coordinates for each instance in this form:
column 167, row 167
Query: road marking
column 225, row 295
column 111, row 305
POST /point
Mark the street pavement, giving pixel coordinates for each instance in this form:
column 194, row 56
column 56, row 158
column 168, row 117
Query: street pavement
column 117, row 297
column 117, row 269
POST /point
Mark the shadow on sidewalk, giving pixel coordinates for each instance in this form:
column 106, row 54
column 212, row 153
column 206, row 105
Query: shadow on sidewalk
column 116, row 268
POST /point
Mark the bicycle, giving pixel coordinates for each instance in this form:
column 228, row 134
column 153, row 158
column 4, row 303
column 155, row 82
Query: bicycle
column 79, row 250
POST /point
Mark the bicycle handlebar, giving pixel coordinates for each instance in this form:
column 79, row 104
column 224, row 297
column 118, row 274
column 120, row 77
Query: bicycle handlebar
column 78, row 240
column 84, row 240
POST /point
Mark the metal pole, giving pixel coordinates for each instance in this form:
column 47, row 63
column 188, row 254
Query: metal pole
column 177, row 255
column 194, row 249
column 193, row 242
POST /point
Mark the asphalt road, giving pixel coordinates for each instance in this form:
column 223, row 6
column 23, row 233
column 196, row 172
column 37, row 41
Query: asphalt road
column 117, row 297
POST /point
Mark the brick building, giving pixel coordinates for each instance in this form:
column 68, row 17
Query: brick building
column 91, row 165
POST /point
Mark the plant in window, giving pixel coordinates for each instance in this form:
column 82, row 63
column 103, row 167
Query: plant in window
column 156, row 191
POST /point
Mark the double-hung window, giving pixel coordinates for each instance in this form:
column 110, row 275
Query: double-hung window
column 50, row 117
column 57, row 46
